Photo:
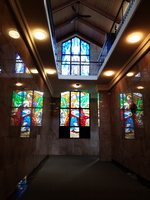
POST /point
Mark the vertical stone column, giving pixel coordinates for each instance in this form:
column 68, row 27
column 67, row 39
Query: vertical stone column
column 105, row 127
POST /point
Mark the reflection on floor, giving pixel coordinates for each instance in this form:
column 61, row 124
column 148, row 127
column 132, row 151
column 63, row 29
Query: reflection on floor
column 83, row 178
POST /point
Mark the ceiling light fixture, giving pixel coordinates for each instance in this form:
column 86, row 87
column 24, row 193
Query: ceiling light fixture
column 34, row 71
column 108, row 73
column 18, row 84
column 140, row 87
column 130, row 74
column 50, row 71
column 14, row 34
column 77, row 85
column 40, row 35
column 135, row 37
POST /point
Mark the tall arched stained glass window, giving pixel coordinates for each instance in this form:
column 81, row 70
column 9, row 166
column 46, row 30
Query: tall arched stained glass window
column 74, row 115
column 75, row 57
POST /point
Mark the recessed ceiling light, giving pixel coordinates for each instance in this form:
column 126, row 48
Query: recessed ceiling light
column 140, row 87
column 109, row 73
column 19, row 84
column 135, row 37
column 34, row 71
column 130, row 74
column 40, row 35
column 14, row 34
column 77, row 85
column 50, row 71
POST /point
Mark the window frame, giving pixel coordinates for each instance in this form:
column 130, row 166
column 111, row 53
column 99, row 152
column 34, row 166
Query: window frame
column 64, row 130
column 20, row 109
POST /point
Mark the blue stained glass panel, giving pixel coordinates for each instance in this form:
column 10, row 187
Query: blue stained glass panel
column 65, row 70
column 26, row 117
column 75, row 70
column 66, row 47
column 75, row 46
column 85, row 48
column 19, row 66
column 85, row 59
column 75, row 59
column 74, row 117
column 84, row 70
column 65, row 59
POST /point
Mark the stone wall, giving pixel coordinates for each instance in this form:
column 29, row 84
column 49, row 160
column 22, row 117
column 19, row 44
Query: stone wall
column 133, row 153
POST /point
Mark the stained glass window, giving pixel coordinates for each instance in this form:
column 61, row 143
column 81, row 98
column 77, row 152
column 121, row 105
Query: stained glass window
column 98, row 106
column 131, row 112
column 74, row 115
column 20, row 66
column 27, row 108
column 75, row 57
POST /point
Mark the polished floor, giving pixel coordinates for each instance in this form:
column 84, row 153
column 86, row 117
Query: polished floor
column 83, row 178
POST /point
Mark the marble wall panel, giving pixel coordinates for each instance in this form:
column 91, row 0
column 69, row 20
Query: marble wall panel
column 74, row 146
column 133, row 153
column 18, row 156
column 104, row 129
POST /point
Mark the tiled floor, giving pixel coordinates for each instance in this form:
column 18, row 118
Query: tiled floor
column 83, row 178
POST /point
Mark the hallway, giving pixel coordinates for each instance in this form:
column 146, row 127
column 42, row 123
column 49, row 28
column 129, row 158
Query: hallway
column 82, row 178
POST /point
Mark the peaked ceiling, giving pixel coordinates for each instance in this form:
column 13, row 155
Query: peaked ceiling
column 69, row 17
column 90, row 19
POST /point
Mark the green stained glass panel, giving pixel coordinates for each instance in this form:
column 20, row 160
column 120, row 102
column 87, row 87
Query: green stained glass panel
column 38, row 99
column 17, row 98
column 74, row 117
column 84, row 100
column 37, row 116
column 65, row 100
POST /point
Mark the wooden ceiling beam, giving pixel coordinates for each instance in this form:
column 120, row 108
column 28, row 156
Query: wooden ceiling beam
column 64, row 5
column 87, row 4
column 63, row 24
column 100, row 11
column 80, row 35
column 97, row 29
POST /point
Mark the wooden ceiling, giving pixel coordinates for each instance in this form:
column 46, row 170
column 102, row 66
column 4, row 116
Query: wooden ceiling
column 66, row 21
column 103, row 15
